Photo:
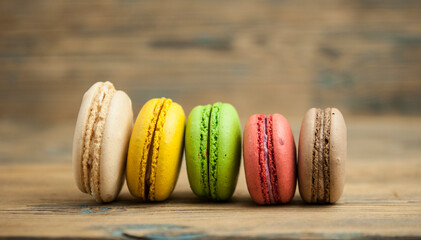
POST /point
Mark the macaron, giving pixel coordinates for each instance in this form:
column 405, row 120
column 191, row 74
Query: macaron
column 155, row 150
column 213, row 150
column 100, row 141
column 322, row 154
column 269, row 159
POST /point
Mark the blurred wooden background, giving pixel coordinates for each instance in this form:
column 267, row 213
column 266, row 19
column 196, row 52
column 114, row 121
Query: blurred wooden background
column 262, row 56
column 361, row 56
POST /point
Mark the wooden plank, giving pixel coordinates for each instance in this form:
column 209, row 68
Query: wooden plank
column 382, row 197
column 361, row 56
column 42, row 200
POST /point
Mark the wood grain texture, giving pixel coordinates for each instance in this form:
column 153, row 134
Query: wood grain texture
column 360, row 56
column 382, row 197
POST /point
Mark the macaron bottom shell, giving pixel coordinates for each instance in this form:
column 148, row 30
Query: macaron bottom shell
column 228, row 157
column 196, row 148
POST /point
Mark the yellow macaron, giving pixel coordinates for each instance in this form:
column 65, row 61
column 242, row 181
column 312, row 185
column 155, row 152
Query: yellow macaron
column 155, row 150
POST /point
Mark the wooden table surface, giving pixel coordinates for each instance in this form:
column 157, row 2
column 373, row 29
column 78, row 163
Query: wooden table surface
column 382, row 196
column 262, row 56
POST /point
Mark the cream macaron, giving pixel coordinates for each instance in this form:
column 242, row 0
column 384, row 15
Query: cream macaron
column 100, row 142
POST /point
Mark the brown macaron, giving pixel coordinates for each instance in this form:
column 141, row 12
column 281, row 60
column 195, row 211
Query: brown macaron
column 322, row 154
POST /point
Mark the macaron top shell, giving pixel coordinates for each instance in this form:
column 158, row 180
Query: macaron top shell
column 285, row 156
column 338, row 153
column 213, row 150
column 269, row 159
column 337, row 147
column 100, row 142
column 224, row 152
column 155, row 150
column 115, row 143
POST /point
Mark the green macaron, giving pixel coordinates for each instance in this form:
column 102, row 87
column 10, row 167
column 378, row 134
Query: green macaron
column 213, row 150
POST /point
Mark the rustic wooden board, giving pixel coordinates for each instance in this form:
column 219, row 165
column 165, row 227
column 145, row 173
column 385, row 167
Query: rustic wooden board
column 363, row 56
column 382, row 197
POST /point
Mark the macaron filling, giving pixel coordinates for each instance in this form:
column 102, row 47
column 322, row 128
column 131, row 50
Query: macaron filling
column 151, row 176
column 92, row 140
column 320, row 189
column 208, row 149
column 149, row 159
column 268, row 177
column 271, row 158
column 145, row 158
column 203, row 148
column 213, row 147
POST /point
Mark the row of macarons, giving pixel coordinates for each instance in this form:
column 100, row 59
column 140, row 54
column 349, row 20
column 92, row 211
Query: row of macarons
column 109, row 148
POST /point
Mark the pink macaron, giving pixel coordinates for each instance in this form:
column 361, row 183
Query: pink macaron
column 269, row 159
